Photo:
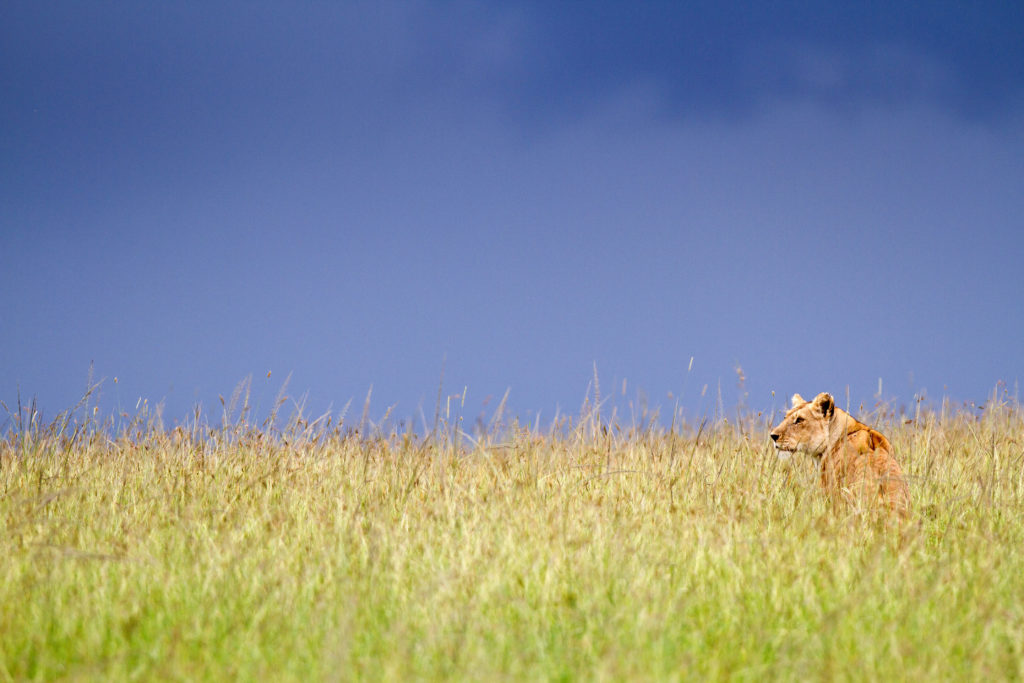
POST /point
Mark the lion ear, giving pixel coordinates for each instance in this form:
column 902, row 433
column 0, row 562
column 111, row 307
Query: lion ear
column 825, row 404
column 797, row 400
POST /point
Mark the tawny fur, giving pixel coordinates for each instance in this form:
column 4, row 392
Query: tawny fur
column 856, row 461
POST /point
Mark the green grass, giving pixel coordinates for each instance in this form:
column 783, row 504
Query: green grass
column 314, row 553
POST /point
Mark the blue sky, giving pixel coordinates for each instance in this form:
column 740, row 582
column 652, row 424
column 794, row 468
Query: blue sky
column 359, row 194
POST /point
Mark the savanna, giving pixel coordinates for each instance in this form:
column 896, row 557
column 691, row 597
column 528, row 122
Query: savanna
column 598, row 548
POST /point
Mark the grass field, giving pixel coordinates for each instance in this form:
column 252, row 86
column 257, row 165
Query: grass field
column 591, row 551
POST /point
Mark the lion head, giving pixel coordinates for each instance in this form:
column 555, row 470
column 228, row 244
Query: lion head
column 805, row 429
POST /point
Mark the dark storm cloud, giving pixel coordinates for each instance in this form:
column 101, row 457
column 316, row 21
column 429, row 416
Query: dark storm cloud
column 713, row 58
column 541, row 61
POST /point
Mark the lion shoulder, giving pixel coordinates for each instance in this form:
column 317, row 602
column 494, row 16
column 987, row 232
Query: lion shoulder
column 860, row 438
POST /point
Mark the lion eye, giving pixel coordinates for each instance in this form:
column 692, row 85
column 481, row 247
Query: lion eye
column 797, row 420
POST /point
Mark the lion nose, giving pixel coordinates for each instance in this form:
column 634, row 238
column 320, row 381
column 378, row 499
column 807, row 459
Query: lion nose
column 775, row 437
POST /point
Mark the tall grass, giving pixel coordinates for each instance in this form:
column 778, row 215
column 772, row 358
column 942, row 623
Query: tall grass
column 312, row 549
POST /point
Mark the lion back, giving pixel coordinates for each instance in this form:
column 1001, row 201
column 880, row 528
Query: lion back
column 864, row 466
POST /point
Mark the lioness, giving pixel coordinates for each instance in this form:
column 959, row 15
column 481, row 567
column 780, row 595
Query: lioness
column 855, row 461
